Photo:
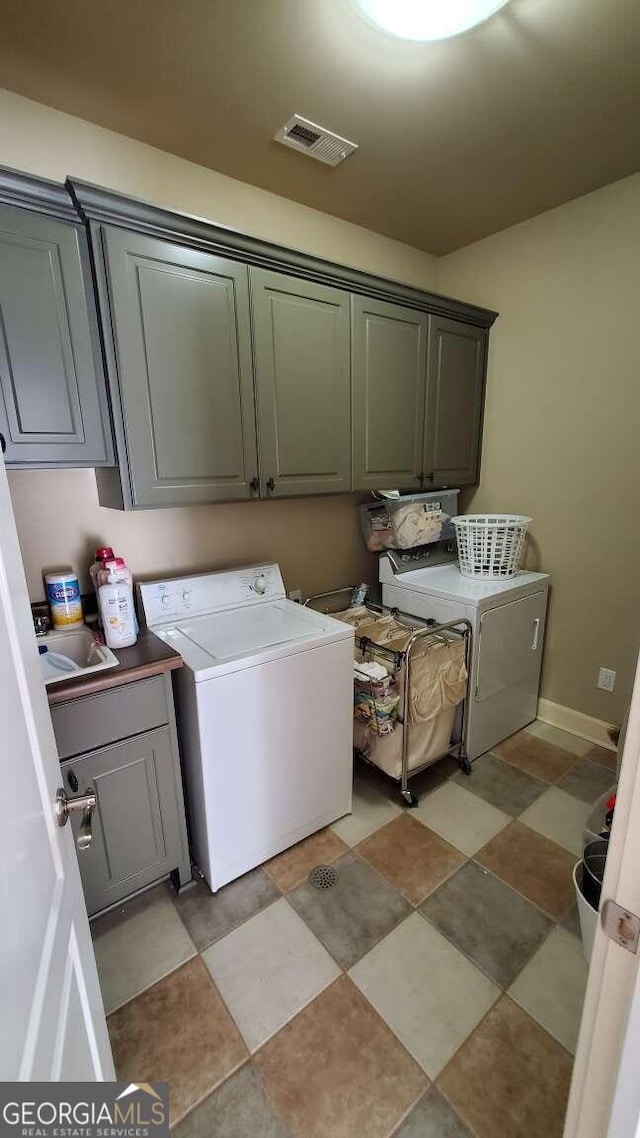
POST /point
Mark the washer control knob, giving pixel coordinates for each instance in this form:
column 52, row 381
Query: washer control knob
column 186, row 596
column 260, row 585
column 165, row 600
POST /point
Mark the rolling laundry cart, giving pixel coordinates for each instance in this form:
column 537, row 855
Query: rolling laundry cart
column 410, row 687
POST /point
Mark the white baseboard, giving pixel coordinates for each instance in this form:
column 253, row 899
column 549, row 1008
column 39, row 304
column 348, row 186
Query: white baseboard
column 575, row 722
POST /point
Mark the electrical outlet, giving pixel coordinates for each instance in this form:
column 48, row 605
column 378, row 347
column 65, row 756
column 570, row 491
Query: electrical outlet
column 606, row 679
column 295, row 595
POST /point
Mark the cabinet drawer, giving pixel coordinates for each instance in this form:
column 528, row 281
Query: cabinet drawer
column 93, row 721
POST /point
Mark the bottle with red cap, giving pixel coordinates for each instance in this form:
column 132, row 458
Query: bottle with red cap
column 103, row 554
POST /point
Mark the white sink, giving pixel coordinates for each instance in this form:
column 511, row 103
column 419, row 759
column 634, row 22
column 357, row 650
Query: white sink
column 79, row 647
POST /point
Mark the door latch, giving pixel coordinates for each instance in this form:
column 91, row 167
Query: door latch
column 620, row 925
column 86, row 803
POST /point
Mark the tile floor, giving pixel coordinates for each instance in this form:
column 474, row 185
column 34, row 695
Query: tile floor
column 434, row 992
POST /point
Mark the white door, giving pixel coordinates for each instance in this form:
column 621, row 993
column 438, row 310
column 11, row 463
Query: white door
column 605, row 1091
column 53, row 1022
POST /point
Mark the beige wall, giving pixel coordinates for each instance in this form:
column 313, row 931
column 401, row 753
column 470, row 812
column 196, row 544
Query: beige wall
column 59, row 519
column 562, row 423
column 316, row 540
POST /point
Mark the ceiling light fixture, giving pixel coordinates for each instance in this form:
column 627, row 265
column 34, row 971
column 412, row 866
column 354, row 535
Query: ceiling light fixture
column 428, row 19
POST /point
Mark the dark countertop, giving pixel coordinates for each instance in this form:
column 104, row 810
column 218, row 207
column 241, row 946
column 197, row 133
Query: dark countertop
column 148, row 657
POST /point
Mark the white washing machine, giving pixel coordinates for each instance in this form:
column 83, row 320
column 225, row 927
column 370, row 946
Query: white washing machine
column 508, row 619
column 264, row 705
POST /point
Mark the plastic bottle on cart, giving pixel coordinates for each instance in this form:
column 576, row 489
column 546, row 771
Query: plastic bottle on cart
column 115, row 598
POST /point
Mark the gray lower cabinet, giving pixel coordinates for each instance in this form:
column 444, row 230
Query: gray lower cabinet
column 53, row 404
column 389, row 367
column 303, row 383
column 181, row 359
column 455, row 391
column 138, row 826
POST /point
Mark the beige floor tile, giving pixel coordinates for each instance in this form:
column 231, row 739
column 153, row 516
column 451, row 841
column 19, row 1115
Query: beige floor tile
column 178, row 1030
column 138, row 944
column 537, row 757
column 510, row 1079
column 370, row 811
column 431, row 996
column 268, row 969
column 411, row 857
column 574, row 743
column 604, row 755
column 336, row 1071
column 560, row 817
column 288, row 869
column 462, row 819
column 551, row 987
column 538, row 868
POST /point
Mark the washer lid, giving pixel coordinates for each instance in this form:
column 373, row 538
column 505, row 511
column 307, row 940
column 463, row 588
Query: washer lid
column 225, row 641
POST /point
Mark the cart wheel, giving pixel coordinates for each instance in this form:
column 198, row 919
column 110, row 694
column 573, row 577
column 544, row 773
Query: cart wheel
column 408, row 799
column 465, row 766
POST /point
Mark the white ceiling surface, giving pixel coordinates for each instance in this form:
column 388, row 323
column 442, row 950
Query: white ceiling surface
column 457, row 139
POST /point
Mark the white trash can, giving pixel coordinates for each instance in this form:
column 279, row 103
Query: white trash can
column 586, row 912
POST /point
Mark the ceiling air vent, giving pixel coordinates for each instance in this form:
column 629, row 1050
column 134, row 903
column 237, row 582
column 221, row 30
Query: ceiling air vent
column 309, row 138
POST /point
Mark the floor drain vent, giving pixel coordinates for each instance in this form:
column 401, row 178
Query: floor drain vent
column 324, row 877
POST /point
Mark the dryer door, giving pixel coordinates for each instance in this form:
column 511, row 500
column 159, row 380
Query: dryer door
column 510, row 649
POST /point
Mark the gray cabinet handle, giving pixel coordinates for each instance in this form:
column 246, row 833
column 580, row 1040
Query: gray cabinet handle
column 86, row 803
column 535, row 634
column 271, row 484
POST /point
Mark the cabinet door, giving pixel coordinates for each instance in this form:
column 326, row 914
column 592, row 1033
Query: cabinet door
column 510, row 650
column 389, row 370
column 137, row 827
column 53, row 407
column 180, row 323
column 303, row 384
column 455, row 390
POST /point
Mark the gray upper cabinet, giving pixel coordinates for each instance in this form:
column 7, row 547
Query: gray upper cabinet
column 182, row 357
column 389, row 367
column 302, row 370
column 239, row 368
column 455, row 388
column 53, row 405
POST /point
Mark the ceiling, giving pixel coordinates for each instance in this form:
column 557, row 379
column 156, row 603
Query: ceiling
column 457, row 139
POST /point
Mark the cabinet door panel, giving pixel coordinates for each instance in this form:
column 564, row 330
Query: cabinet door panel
column 51, row 378
column 302, row 363
column 182, row 338
column 389, row 369
column 510, row 648
column 136, row 828
column 455, row 388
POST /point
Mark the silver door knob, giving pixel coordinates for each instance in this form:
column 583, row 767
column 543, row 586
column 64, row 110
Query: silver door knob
column 86, row 803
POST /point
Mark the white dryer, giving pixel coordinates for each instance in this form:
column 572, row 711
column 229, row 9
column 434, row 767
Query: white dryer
column 264, row 705
column 508, row 620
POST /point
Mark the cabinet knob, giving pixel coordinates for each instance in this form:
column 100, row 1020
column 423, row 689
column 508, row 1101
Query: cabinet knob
column 429, row 477
column 271, row 484
column 254, row 485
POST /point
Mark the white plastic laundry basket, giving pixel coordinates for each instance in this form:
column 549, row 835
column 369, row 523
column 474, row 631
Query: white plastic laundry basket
column 490, row 545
